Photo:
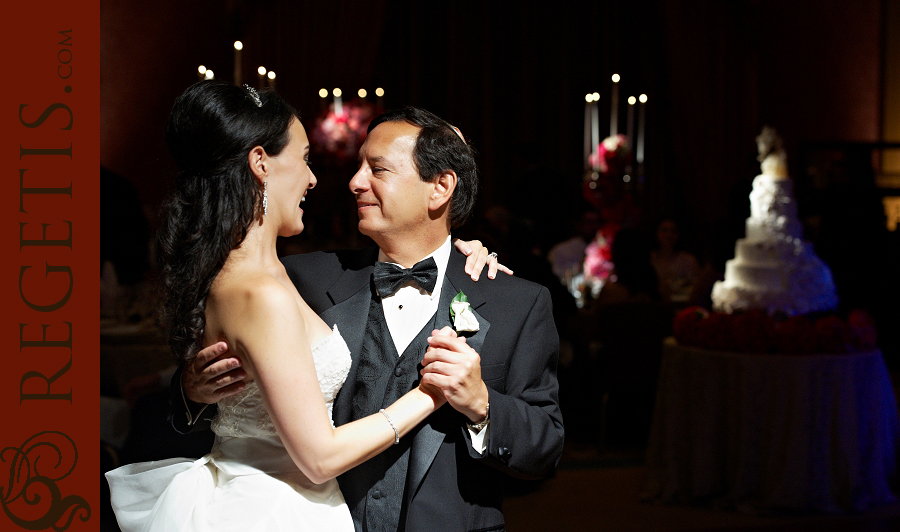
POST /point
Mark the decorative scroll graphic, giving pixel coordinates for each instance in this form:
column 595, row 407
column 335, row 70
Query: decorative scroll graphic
column 31, row 499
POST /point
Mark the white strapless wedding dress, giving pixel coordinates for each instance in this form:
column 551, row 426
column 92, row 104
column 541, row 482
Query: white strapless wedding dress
column 248, row 482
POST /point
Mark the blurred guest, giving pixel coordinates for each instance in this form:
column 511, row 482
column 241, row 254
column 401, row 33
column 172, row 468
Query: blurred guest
column 634, row 276
column 677, row 269
column 622, row 344
column 567, row 257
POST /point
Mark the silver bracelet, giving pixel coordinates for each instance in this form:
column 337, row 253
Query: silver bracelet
column 391, row 422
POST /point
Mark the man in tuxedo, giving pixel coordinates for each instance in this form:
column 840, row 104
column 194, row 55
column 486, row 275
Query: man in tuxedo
column 417, row 179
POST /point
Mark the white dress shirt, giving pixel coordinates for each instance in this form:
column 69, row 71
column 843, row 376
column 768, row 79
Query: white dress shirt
column 410, row 308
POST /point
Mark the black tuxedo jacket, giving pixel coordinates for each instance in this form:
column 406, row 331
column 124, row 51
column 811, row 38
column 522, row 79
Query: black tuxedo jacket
column 450, row 486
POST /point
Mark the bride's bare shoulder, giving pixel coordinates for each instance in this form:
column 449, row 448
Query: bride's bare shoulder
column 250, row 295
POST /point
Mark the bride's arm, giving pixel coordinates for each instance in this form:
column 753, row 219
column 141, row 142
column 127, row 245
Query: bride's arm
column 271, row 335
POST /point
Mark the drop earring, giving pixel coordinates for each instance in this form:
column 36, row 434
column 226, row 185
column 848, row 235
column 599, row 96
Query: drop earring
column 265, row 197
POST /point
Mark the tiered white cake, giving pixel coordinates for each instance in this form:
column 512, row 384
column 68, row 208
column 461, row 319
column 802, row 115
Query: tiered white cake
column 773, row 268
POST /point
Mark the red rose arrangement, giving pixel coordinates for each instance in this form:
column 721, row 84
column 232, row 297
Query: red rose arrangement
column 795, row 335
column 755, row 331
column 685, row 326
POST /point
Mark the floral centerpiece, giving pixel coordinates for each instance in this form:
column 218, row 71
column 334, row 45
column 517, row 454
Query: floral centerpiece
column 341, row 135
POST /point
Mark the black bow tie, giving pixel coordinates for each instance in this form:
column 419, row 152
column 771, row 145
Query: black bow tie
column 388, row 277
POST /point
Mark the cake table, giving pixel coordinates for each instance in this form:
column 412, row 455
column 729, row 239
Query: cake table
column 767, row 432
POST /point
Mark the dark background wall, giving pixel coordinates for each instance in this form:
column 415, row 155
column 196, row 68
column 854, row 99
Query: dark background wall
column 513, row 75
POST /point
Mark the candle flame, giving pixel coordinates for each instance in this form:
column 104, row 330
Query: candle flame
column 379, row 92
column 632, row 100
column 616, row 78
column 323, row 93
column 362, row 93
column 271, row 74
column 643, row 98
column 337, row 92
column 201, row 69
column 596, row 96
column 209, row 74
column 238, row 45
column 261, row 71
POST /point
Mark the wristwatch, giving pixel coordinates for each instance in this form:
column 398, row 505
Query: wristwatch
column 476, row 427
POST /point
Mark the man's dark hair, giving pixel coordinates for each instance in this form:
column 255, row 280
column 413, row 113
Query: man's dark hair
column 439, row 148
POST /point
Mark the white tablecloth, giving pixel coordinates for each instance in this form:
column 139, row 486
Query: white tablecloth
column 773, row 432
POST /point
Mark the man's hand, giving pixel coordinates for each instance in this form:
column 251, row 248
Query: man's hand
column 455, row 368
column 212, row 375
column 478, row 256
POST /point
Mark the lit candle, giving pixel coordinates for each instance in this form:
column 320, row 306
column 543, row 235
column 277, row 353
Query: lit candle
column 362, row 93
column 614, row 107
column 238, row 46
column 201, row 73
column 588, row 98
column 261, row 77
column 379, row 93
column 338, row 102
column 271, row 76
column 323, row 93
column 631, row 101
column 640, row 135
column 595, row 124
column 209, row 74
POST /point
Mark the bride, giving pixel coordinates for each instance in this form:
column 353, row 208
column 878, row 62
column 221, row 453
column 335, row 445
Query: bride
column 244, row 171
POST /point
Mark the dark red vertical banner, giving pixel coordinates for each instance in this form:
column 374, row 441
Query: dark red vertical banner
column 49, row 266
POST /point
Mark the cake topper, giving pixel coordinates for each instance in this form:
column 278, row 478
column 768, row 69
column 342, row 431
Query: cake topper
column 772, row 156
column 768, row 142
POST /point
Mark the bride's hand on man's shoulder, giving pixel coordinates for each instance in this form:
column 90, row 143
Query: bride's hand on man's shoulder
column 477, row 256
column 212, row 375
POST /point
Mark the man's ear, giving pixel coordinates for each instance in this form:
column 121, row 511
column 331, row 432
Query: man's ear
column 258, row 160
column 442, row 190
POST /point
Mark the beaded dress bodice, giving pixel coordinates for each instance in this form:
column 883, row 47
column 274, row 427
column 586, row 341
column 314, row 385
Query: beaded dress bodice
column 245, row 414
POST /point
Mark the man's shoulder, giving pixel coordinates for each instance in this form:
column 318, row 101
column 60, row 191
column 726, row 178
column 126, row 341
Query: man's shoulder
column 318, row 262
column 502, row 288
column 511, row 283
column 509, row 288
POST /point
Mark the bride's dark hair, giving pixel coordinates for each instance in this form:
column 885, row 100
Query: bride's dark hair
column 211, row 130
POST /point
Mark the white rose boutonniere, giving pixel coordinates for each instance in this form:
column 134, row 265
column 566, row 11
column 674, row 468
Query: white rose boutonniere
column 464, row 319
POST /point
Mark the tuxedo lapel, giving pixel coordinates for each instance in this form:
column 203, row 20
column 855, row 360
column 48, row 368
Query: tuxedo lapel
column 457, row 280
column 428, row 440
column 351, row 295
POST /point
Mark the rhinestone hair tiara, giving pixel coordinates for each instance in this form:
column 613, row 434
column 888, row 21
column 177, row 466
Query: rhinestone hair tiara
column 254, row 95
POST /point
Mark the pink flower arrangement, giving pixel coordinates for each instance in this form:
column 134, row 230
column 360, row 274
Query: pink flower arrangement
column 598, row 254
column 342, row 135
column 612, row 155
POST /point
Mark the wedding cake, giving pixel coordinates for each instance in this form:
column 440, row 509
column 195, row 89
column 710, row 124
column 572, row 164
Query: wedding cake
column 774, row 269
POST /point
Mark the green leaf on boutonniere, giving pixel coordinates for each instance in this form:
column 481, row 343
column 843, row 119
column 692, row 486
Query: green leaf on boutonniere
column 459, row 298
